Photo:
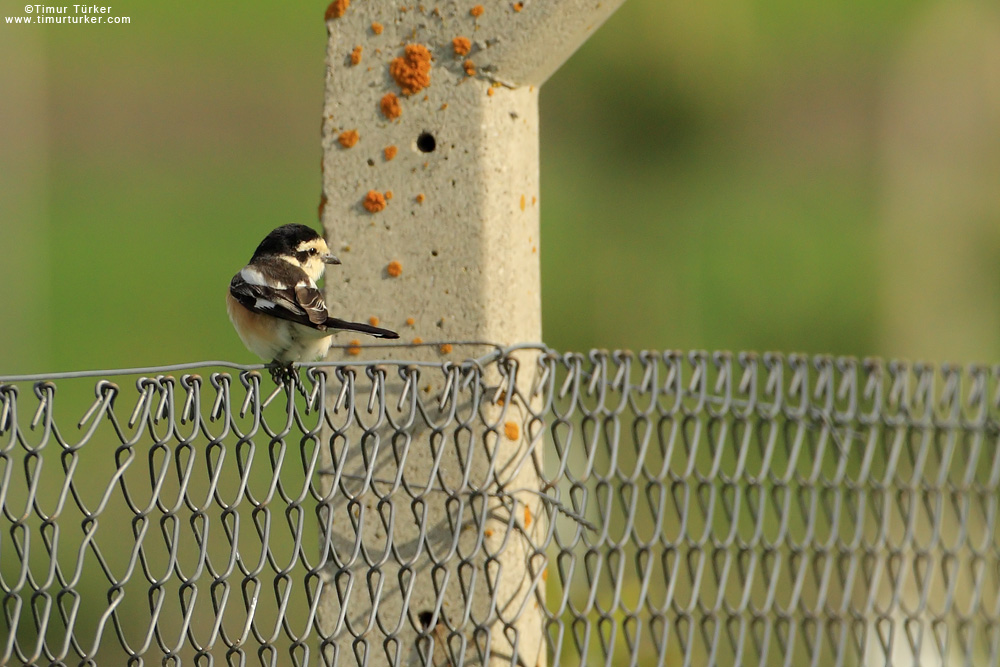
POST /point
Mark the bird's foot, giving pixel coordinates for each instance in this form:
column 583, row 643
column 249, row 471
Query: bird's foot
column 281, row 373
column 287, row 375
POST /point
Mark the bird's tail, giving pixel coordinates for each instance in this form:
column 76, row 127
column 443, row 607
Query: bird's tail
column 334, row 323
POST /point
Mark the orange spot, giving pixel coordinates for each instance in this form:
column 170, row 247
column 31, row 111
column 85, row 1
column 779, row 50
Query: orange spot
column 490, row 91
column 373, row 321
column 377, row 28
column 412, row 70
column 534, row 249
column 336, row 9
column 322, row 206
column 354, row 347
column 444, row 106
column 418, row 340
column 518, row 6
column 388, row 195
column 477, row 10
column 348, row 138
column 374, row 202
column 488, row 533
column 527, row 516
column 545, row 574
column 420, row 198
column 445, row 348
column 462, row 46
column 410, row 321
column 469, row 67
column 356, row 55
column 522, row 202
column 389, row 152
column 533, row 200
column 511, row 430
column 390, row 106
column 394, row 269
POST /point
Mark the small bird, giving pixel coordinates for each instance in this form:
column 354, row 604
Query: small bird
column 276, row 307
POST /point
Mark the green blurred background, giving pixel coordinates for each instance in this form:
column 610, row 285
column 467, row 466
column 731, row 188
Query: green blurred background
column 765, row 174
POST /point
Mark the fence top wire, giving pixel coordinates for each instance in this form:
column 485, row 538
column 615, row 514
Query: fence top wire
column 693, row 507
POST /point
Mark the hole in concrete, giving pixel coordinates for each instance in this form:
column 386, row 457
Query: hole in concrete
column 426, row 142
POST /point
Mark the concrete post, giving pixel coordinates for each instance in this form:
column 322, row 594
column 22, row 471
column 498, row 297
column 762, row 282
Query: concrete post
column 431, row 198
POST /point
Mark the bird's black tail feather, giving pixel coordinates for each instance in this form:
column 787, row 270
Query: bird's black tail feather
column 334, row 323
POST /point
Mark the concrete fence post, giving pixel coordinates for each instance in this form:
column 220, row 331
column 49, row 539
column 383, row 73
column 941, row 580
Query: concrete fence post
column 431, row 199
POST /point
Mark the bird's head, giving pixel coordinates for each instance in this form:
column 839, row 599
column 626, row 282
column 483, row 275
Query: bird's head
column 300, row 246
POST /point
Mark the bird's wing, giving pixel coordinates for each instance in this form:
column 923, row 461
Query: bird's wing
column 299, row 301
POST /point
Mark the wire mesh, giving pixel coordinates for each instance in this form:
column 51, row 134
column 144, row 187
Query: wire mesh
column 658, row 508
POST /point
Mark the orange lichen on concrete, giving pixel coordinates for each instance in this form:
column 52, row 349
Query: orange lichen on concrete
column 377, row 28
column 527, row 516
column 477, row 11
column 410, row 321
column 354, row 347
column 373, row 201
column 356, row 55
column 518, row 6
column 444, row 106
column 390, row 106
column 522, row 202
column 490, row 91
column 469, row 67
column 389, row 152
column 461, row 45
column 545, row 574
column 336, row 9
column 488, row 533
column 420, row 198
column 533, row 200
column 388, row 195
column 322, row 206
column 418, row 340
column 445, row 348
column 394, row 269
column 511, row 430
column 373, row 321
column 412, row 70
column 348, row 138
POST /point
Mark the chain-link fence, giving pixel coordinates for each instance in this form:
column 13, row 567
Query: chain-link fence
column 644, row 509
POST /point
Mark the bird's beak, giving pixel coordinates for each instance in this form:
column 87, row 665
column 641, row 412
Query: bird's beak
column 330, row 259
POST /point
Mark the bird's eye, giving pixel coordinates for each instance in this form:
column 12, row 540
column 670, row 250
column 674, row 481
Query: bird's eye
column 313, row 251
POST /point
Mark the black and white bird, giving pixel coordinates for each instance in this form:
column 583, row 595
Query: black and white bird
column 276, row 307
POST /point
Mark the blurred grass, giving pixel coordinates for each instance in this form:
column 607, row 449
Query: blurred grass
column 710, row 177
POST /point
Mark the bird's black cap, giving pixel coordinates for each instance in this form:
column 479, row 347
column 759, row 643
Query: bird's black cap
column 284, row 239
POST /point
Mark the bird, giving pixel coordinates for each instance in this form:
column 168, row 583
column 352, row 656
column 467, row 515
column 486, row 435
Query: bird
column 276, row 307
